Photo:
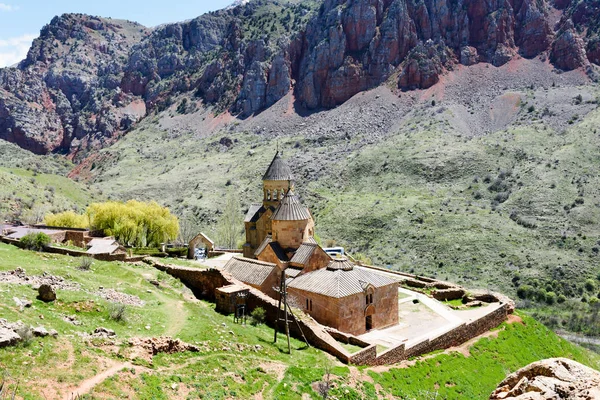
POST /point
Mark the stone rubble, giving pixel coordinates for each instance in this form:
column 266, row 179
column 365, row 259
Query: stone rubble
column 122, row 298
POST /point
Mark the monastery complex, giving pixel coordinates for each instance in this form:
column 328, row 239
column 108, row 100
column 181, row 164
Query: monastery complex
column 280, row 244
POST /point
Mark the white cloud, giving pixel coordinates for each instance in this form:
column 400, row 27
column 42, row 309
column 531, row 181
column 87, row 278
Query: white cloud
column 7, row 7
column 13, row 50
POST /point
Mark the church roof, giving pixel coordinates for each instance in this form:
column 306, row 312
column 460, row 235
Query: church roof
column 339, row 283
column 290, row 209
column 278, row 170
column 303, row 254
column 247, row 270
column 254, row 212
column 268, row 239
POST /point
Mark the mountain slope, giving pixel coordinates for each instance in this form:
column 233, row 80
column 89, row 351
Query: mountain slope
column 246, row 58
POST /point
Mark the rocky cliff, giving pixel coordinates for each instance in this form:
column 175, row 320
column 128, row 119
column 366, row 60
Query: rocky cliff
column 87, row 80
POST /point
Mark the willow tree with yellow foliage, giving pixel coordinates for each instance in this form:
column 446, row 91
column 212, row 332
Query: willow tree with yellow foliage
column 67, row 219
column 134, row 223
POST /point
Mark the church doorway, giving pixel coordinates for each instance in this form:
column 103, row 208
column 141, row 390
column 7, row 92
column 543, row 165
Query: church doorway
column 369, row 323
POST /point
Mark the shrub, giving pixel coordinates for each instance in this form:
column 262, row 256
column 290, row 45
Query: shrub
column 524, row 291
column 177, row 252
column 85, row 263
column 561, row 298
column 134, row 223
column 117, row 312
column 26, row 335
column 36, row 241
column 550, row 298
column 257, row 316
column 590, row 285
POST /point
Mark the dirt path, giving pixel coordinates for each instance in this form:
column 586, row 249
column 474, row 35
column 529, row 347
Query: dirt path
column 87, row 385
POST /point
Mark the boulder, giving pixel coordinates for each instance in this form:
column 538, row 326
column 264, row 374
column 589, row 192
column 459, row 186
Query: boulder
column 557, row 378
column 40, row 331
column 46, row 293
column 101, row 331
column 8, row 337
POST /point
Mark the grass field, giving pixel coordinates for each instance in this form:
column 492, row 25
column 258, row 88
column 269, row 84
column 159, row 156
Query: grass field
column 32, row 186
column 235, row 361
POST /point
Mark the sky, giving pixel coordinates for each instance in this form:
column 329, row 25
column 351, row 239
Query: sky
column 21, row 20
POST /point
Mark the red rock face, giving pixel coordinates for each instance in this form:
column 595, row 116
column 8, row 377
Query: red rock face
column 75, row 98
column 568, row 50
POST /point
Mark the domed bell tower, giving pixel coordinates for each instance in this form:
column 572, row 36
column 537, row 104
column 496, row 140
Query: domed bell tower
column 277, row 181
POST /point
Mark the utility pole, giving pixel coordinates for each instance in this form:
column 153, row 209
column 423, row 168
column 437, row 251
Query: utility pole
column 283, row 299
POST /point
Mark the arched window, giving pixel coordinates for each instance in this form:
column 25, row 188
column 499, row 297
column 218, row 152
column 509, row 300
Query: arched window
column 268, row 195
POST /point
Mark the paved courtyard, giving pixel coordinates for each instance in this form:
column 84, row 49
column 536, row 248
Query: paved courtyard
column 422, row 317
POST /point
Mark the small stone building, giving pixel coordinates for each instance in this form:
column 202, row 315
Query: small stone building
column 346, row 297
column 227, row 298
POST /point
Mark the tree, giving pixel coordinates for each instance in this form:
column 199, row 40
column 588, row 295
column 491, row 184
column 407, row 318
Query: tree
column 229, row 228
column 134, row 223
column 67, row 219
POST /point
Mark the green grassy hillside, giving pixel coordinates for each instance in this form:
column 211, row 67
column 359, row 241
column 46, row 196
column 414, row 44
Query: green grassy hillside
column 235, row 361
column 31, row 185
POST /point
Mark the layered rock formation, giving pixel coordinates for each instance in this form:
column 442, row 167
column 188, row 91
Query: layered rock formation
column 87, row 80
column 557, row 378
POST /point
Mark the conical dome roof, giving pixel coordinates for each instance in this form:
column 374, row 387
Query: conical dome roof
column 278, row 170
column 340, row 264
column 290, row 209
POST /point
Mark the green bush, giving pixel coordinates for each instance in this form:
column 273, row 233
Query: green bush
column 117, row 312
column 257, row 316
column 36, row 241
column 590, row 285
column 177, row 252
column 550, row 298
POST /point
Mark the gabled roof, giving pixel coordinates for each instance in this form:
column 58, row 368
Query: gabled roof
column 339, row 283
column 279, row 253
column 290, row 209
column 247, row 270
column 268, row 239
column 303, row 254
column 254, row 212
column 102, row 246
column 278, row 170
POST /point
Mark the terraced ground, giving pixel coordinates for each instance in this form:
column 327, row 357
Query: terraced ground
column 234, row 360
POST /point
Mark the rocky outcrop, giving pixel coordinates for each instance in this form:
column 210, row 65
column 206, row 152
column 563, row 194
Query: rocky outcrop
column 558, row 378
column 424, row 65
column 65, row 95
column 87, row 80
column 568, row 50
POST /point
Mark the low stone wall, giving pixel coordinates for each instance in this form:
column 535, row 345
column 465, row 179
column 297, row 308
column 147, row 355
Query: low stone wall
column 448, row 294
column 70, row 252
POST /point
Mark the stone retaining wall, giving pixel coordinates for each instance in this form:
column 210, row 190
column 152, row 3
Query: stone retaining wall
column 70, row 252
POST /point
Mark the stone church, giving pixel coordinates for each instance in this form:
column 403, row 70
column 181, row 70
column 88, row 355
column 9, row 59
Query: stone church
column 280, row 244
